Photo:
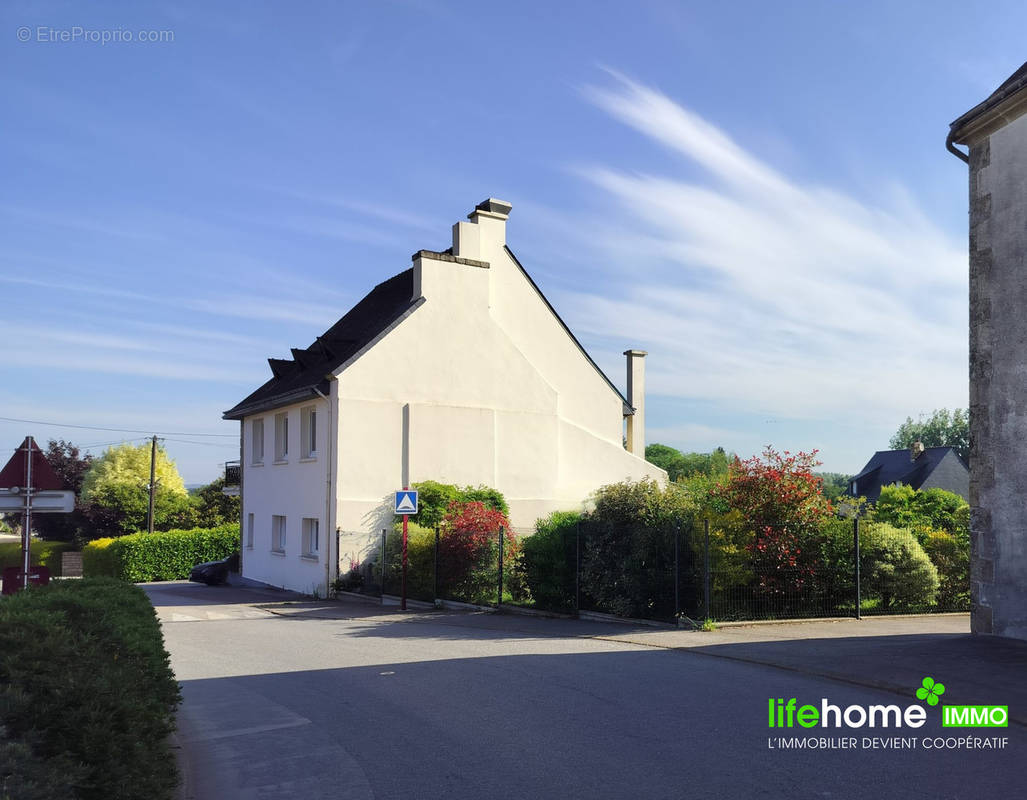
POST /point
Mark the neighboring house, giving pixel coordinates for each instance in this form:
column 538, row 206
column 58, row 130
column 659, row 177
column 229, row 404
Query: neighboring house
column 458, row 370
column 919, row 467
column 995, row 134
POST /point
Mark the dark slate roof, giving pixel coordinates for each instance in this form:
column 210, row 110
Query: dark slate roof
column 1009, row 87
column 895, row 466
column 297, row 378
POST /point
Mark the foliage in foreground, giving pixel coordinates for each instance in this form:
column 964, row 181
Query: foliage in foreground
column 86, row 695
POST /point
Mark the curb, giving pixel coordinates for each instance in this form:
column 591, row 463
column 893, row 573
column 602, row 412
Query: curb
column 185, row 789
column 752, row 623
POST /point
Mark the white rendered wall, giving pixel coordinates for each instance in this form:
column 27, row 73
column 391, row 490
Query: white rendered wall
column 479, row 384
column 451, row 394
column 294, row 489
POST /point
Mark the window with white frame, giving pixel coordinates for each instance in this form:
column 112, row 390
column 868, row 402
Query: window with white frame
column 278, row 533
column 282, row 436
column 249, row 530
column 257, row 442
column 308, row 432
column 311, row 537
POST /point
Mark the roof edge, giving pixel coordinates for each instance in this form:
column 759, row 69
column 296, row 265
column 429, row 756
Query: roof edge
column 277, row 401
column 628, row 408
column 440, row 256
column 1004, row 105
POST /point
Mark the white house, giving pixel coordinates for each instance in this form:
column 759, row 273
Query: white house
column 457, row 370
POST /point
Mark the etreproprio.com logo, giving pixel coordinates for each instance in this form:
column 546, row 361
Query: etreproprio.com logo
column 789, row 713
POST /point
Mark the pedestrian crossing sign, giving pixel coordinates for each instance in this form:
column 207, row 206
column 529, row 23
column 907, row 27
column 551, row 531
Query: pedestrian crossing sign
column 406, row 501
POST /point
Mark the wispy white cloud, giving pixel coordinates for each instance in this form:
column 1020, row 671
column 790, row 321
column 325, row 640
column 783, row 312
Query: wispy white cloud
column 766, row 294
column 268, row 308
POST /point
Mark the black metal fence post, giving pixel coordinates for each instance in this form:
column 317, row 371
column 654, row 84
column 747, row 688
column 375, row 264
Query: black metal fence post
column 384, row 532
column 706, row 567
column 577, row 567
column 499, row 596
column 677, row 569
column 855, row 550
column 435, row 588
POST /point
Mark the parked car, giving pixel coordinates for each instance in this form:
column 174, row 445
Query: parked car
column 214, row 573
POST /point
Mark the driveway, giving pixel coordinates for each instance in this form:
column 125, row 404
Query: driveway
column 285, row 698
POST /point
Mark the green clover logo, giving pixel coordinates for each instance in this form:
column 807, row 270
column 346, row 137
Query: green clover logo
column 930, row 691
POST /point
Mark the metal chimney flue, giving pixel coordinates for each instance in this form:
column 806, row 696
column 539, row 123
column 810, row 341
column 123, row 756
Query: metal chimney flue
column 636, row 399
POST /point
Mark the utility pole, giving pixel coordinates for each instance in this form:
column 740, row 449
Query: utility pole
column 153, row 481
column 26, row 524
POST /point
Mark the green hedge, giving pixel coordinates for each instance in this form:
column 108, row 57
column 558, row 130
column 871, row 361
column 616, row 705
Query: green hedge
column 87, row 696
column 164, row 556
column 48, row 554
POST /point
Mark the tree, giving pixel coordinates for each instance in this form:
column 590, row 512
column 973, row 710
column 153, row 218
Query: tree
column 115, row 495
column 834, row 484
column 71, row 467
column 941, row 429
column 213, row 506
column 923, row 511
column 680, row 465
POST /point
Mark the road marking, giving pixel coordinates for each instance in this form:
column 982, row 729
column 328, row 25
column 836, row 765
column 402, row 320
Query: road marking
column 206, row 737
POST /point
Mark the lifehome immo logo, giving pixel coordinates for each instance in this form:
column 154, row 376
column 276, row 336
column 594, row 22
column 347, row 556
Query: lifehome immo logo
column 789, row 714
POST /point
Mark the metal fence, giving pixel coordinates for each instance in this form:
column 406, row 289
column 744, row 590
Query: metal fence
column 666, row 574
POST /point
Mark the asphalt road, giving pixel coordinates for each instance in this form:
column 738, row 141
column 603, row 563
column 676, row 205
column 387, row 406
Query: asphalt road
column 281, row 702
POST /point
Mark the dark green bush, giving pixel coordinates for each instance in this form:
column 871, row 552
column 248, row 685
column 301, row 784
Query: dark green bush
column 628, row 549
column 87, row 696
column 895, row 569
column 434, row 499
column 420, row 562
column 951, row 556
column 546, row 561
column 158, row 556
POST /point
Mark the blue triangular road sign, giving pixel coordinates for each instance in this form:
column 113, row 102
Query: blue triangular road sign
column 406, row 502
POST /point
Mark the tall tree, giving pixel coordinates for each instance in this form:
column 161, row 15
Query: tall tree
column 115, row 493
column 71, row 467
column 942, row 429
column 213, row 506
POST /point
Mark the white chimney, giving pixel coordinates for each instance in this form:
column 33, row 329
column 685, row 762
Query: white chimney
column 916, row 451
column 485, row 231
column 636, row 399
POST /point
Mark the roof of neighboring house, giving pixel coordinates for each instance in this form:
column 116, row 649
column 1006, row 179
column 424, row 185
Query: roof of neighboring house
column 895, row 466
column 1013, row 84
column 297, row 378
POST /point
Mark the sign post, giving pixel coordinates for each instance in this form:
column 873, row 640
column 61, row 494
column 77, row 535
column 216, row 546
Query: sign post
column 28, row 483
column 406, row 504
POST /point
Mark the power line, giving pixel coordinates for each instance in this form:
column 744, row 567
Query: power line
column 208, row 444
column 116, row 430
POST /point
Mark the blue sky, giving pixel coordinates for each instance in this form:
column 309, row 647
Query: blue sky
column 757, row 194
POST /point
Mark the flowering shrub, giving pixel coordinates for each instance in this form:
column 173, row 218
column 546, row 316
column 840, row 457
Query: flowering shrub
column 782, row 502
column 469, row 551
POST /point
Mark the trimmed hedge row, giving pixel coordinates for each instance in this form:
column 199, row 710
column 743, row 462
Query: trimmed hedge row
column 164, row 556
column 87, row 696
column 47, row 554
